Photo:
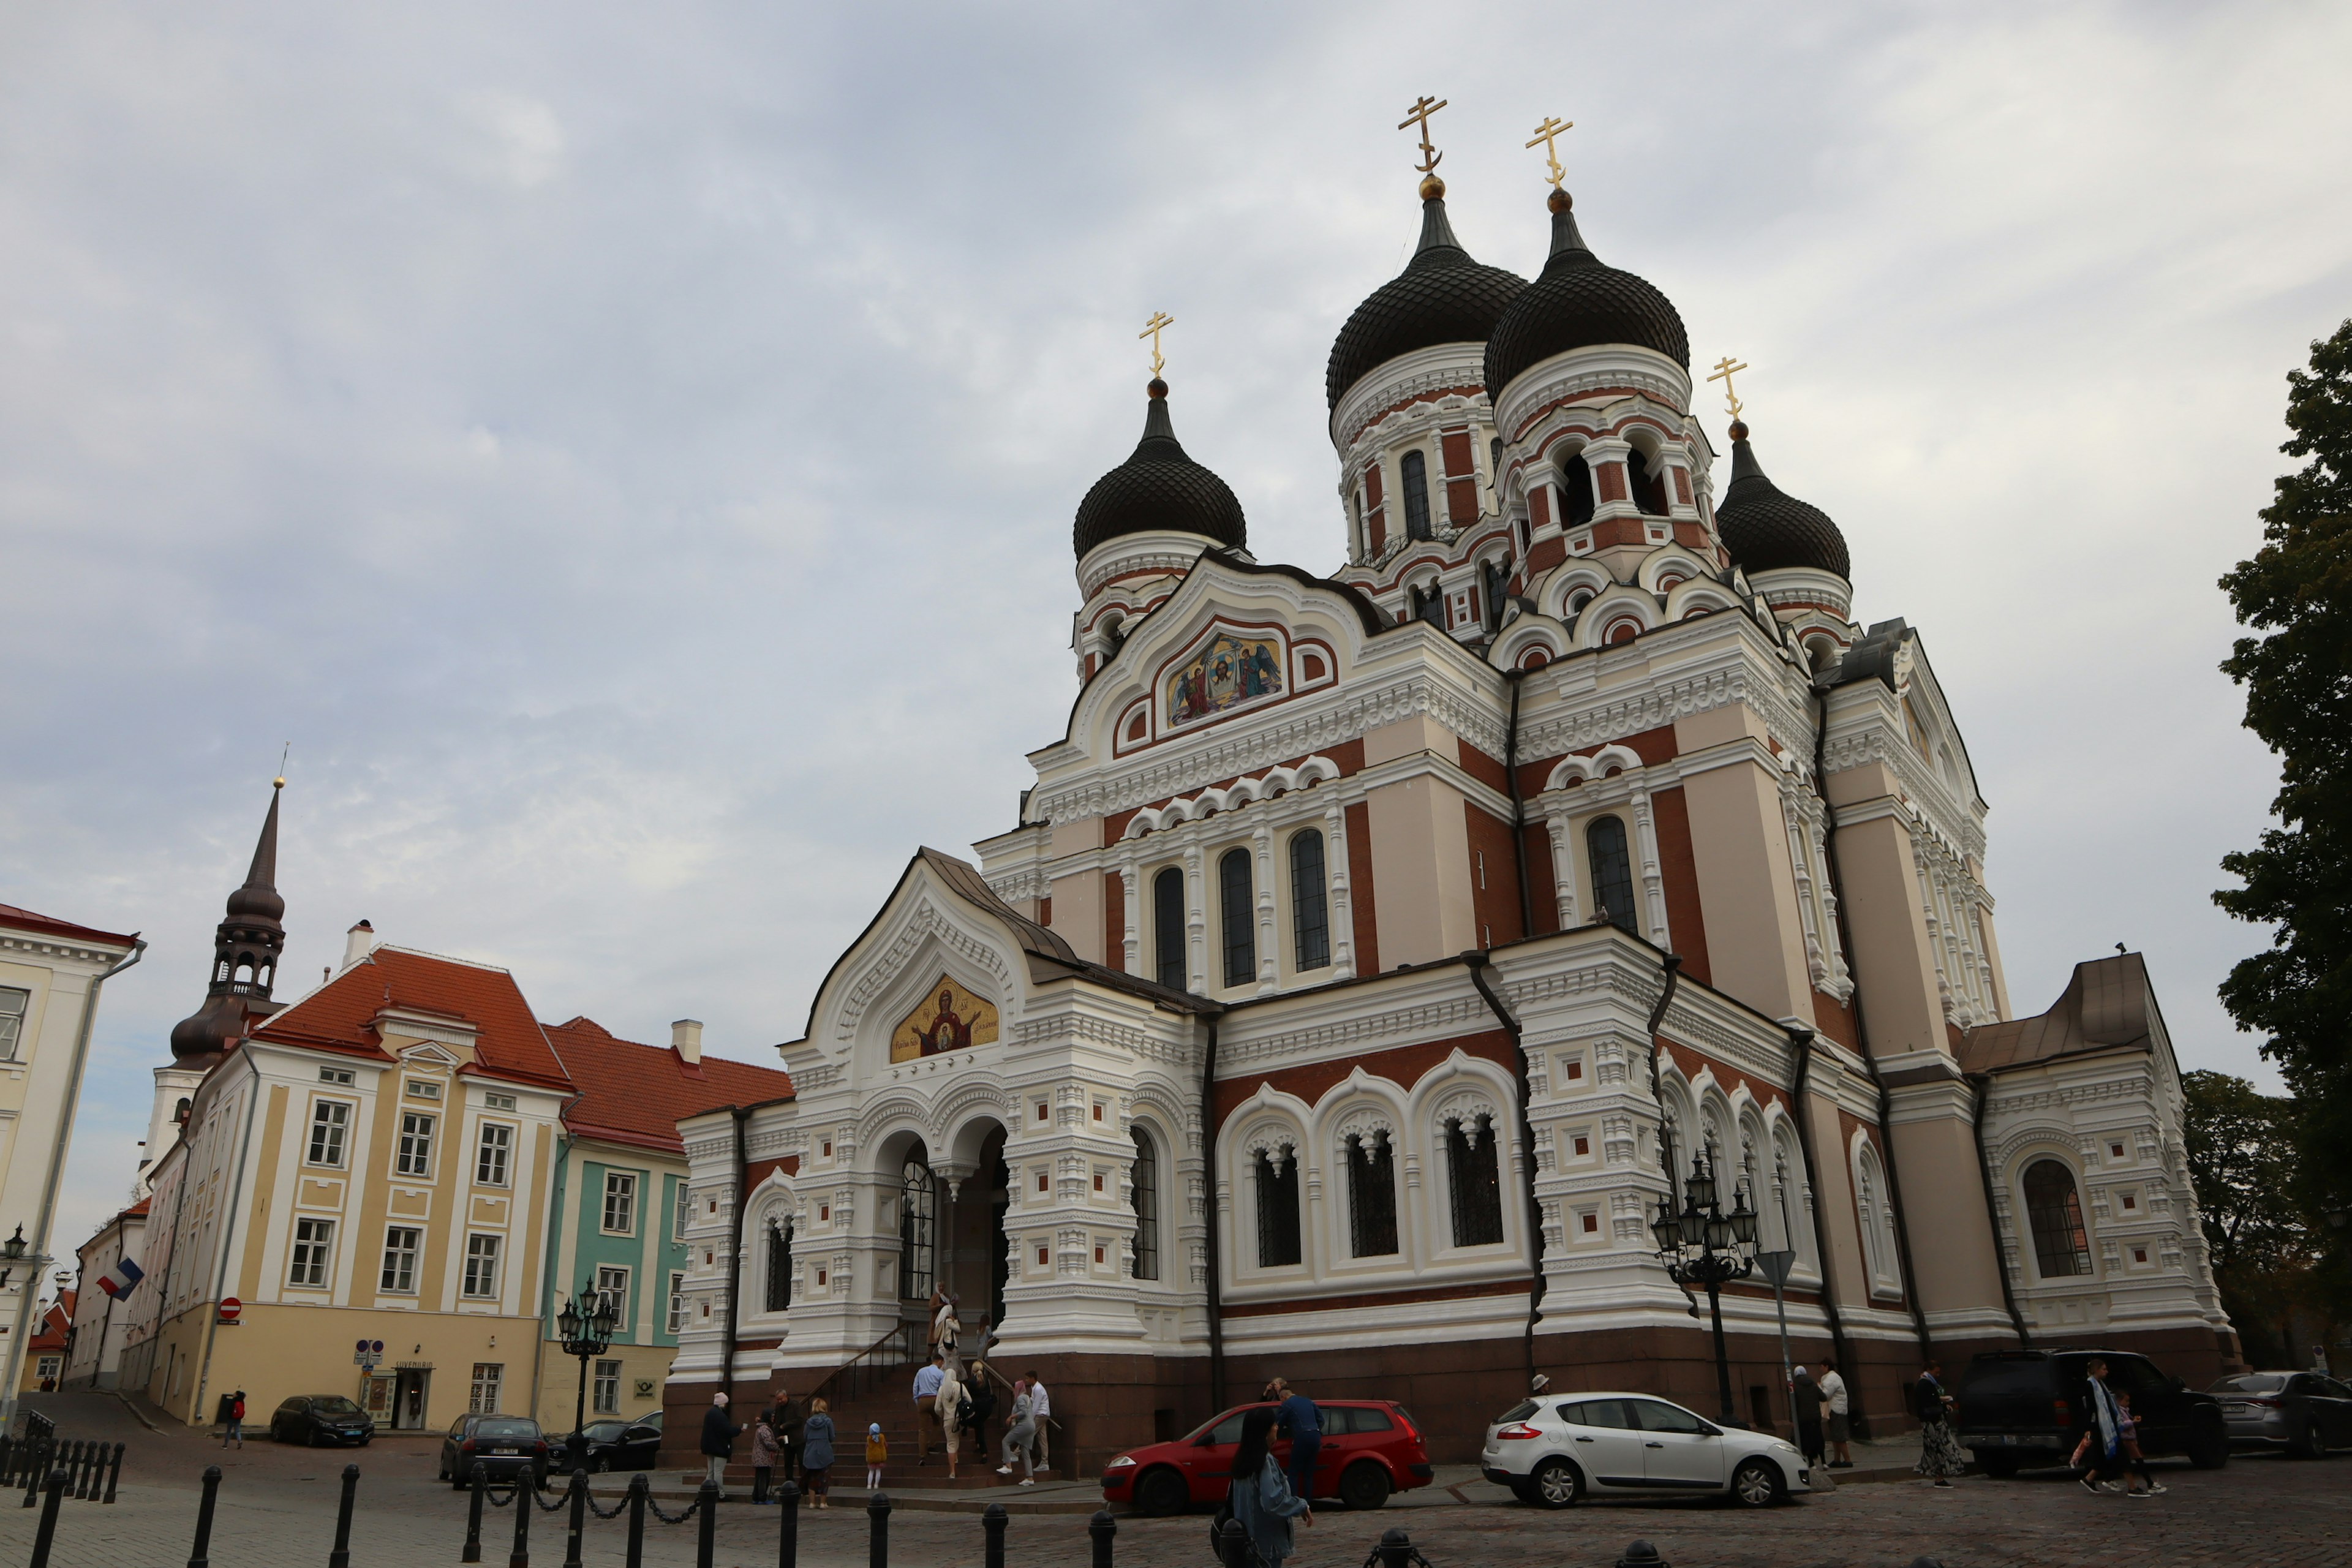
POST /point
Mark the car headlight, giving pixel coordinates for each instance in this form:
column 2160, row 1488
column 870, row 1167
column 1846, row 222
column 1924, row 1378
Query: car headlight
column 1123, row 1461
column 1786, row 1448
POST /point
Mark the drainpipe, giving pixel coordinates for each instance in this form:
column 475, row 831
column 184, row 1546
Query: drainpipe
column 1209, row 1211
column 1477, row 963
column 233, row 1201
column 1518, row 806
column 564, row 1143
column 735, row 1249
column 1803, row 1040
column 1670, row 965
column 1983, row 1082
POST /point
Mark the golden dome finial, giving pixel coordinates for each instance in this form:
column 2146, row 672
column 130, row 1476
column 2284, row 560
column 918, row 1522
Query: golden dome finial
column 1160, row 320
column 1724, row 369
column 1548, row 134
column 280, row 782
column 1424, row 107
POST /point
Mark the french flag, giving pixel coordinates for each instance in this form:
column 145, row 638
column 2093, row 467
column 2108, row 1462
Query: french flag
column 118, row 1279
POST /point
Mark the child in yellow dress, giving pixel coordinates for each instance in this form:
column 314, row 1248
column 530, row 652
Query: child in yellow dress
column 877, row 1454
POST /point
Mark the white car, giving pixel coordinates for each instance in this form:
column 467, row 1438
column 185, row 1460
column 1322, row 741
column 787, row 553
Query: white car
column 1565, row 1447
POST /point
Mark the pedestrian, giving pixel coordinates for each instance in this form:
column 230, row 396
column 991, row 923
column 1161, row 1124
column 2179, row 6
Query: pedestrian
column 816, row 1452
column 1041, row 1409
column 1841, row 1420
column 1020, row 1434
column 1260, row 1495
column 1805, row 1401
column 2100, row 1455
column 1298, row 1419
column 1939, row 1450
column 979, row 1408
column 927, row 1378
column 877, row 1454
column 764, row 1455
column 791, row 1416
column 718, row 1442
column 2127, row 1439
column 234, row 1431
column 953, row 1407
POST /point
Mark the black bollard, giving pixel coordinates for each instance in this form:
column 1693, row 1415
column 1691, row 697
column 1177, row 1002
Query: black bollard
column 8, row 1457
column 579, row 1515
column 56, row 1494
column 1104, row 1529
column 114, row 1476
column 34, row 1466
column 639, row 1489
column 787, row 1525
column 481, row 1480
column 706, row 1535
column 877, row 1530
column 1641, row 1555
column 1235, row 1550
column 1927, row 1562
column 519, row 1555
column 93, row 1465
column 199, row 1557
column 991, row 1525
column 341, row 1557
column 1395, row 1548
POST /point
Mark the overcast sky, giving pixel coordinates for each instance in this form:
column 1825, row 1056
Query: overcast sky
column 629, row 451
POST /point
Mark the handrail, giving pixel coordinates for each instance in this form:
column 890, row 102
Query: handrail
column 849, row 1379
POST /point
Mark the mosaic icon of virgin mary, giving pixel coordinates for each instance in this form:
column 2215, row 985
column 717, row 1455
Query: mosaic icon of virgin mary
column 946, row 1032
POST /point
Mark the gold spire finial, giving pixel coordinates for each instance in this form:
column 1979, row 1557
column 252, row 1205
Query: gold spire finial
column 1161, row 319
column 1424, row 107
column 1546, row 133
column 1724, row 369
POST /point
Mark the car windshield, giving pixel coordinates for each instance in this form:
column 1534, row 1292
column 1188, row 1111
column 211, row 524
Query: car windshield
column 2006, row 1377
column 606, row 1431
column 334, row 1404
column 507, row 1430
column 2251, row 1383
column 1225, row 1428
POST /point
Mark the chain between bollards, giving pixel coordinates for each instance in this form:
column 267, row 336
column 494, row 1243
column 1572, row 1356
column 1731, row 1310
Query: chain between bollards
column 877, row 1532
column 706, row 1535
column 56, row 1491
column 197, row 1558
column 787, row 1525
column 639, row 1489
column 991, row 1525
column 341, row 1557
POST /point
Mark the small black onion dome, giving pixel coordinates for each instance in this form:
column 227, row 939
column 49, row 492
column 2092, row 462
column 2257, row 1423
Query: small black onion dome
column 1443, row 296
column 1575, row 303
column 211, row 1029
column 1159, row 490
column 1766, row 530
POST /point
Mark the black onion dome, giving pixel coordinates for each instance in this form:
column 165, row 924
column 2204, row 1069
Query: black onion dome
column 1159, row 490
column 1575, row 303
column 1443, row 296
column 1766, row 530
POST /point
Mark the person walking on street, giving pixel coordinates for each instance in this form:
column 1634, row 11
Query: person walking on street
column 234, row 1431
column 1261, row 1496
column 2127, row 1439
column 2103, row 1434
column 979, row 1413
column 1940, row 1448
column 764, row 1455
column 1021, row 1434
column 1805, row 1401
column 1841, row 1418
column 816, row 1453
column 927, row 1403
column 1298, row 1419
column 1041, row 1406
column 718, row 1442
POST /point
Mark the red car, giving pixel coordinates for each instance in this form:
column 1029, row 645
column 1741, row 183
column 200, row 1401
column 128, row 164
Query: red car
column 1371, row 1449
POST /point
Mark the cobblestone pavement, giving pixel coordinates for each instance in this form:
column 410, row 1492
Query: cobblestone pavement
column 277, row 1505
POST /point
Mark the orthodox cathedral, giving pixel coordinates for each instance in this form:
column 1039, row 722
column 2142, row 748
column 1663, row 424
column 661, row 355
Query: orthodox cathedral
column 1379, row 957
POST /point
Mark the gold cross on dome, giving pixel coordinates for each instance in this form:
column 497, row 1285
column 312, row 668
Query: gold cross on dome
column 1546, row 133
column 1419, row 113
column 1161, row 319
column 1724, row 371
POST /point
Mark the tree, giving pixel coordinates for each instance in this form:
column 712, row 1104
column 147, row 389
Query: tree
column 2242, row 1160
column 2297, row 589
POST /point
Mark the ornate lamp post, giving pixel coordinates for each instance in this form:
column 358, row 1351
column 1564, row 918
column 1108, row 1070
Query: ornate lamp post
column 1702, row 1246
column 587, row 1334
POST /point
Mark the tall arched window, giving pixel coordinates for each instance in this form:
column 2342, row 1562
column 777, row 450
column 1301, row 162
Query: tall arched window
column 1147, row 1207
column 1613, row 872
column 1371, row 1196
column 1646, row 477
column 1494, row 592
column 1414, row 472
column 1277, row 1209
column 1576, row 491
column 916, row 1237
column 1168, row 928
column 780, row 1266
column 1235, row 900
column 1310, row 920
column 2061, row 1245
column 1474, row 1182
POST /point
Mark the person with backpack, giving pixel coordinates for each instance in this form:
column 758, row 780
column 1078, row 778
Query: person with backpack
column 234, row 1431
column 1259, row 1495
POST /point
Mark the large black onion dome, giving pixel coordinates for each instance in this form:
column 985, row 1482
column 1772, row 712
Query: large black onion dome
column 1766, row 530
column 1443, row 296
column 1159, row 490
column 1575, row 303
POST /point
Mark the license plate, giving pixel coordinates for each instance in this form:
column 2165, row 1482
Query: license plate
column 502, row 1451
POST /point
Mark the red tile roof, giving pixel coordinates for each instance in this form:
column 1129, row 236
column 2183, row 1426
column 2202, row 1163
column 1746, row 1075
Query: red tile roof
column 341, row 1016
column 26, row 920
column 60, row 1318
column 635, row 1094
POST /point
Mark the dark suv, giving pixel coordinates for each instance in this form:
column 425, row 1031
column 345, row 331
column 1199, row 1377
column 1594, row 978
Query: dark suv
column 2021, row 1408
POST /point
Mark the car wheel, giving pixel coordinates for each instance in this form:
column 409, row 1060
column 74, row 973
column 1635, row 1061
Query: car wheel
column 1163, row 1492
column 601, row 1466
column 2208, row 1440
column 2305, row 1444
column 310, row 1437
column 1364, row 1486
column 1556, row 1484
column 1999, row 1467
column 1756, row 1483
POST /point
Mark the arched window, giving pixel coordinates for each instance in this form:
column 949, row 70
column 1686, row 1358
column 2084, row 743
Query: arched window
column 1474, row 1182
column 1147, row 1207
column 1235, row 901
column 780, row 1266
column 1310, row 920
column 1113, row 634
column 1646, row 478
column 1613, row 872
column 916, row 1234
column 1576, row 491
column 2061, row 1245
column 1168, row 928
column 1426, row 605
column 1494, row 580
column 1415, row 480
column 1371, row 1196
column 1277, row 1209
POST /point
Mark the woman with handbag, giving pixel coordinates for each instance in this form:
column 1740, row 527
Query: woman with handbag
column 1259, row 1494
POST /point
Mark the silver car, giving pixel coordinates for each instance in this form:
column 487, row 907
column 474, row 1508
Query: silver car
column 1564, row 1449
column 2304, row 1413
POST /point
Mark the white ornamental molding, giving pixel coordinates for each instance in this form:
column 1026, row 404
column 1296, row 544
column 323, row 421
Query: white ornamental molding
column 926, row 923
column 1278, row 1139
column 1463, row 1108
column 1241, row 791
column 1436, row 1020
column 1363, row 1123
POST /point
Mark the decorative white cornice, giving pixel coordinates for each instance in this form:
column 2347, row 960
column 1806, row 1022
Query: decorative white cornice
column 1583, row 372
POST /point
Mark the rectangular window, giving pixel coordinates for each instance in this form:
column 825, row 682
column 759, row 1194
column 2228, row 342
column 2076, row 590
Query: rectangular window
column 620, row 1203
column 612, row 1284
column 330, row 1119
column 335, row 1075
column 1236, row 906
column 419, row 1089
column 416, row 1158
column 1168, row 937
column 490, row 1161
column 676, row 1301
column 1310, row 922
column 497, row 1102
column 684, row 1213
column 313, row 1240
column 608, row 1388
column 400, row 1243
column 483, row 1399
column 14, row 1005
column 481, row 1265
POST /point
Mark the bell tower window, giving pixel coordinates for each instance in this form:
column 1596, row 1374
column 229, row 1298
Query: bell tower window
column 1414, row 472
column 1645, row 475
column 1576, row 491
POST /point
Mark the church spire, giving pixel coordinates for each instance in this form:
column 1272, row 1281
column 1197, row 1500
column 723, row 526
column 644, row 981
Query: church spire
column 247, row 945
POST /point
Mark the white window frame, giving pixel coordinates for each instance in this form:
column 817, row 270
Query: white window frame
column 311, row 1262
column 494, row 1147
column 621, row 1189
column 676, row 1301
column 332, row 1117
column 489, row 1377
column 480, row 1281
column 15, row 1007
column 398, row 1277
column 604, row 1395
column 613, row 1280
column 685, row 1214
column 414, row 1155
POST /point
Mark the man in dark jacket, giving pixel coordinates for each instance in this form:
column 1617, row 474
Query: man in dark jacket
column 1298, row 1419
column 1805, row 1398
column 718, row 1441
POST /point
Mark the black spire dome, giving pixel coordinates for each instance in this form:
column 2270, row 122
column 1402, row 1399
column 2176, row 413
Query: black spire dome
column 1443, row 296
column 1576, row 303
column 246, row 949
column 1765, row 528
column 1159, row 490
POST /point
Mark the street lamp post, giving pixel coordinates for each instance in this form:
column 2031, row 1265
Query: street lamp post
column 587, row 1334
column 1702, row 1246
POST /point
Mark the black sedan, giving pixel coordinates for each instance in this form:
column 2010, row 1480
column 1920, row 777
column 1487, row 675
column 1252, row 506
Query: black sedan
column 614, row 1445
column 507, row 1446
column 2304, row 1413
column 318, row 1420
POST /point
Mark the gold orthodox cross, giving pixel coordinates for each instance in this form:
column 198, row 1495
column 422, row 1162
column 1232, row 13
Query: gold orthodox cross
column 1419, row 113
column 1546, row 133
column 1151, row 328
column 1724, row 371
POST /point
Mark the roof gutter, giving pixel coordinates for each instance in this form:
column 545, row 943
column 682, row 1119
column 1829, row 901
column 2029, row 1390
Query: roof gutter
column 1518, row 805
column 742, row 1117
column 1983, row 1083
column 1671, row 963
column 1803, row 1040
column 1477, row 963
column 1209, row 1209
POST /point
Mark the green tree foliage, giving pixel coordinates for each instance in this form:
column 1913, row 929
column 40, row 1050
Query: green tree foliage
column 2244, row 1161
column 2297, row 592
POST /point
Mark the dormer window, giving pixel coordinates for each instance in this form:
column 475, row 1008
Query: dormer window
column 1414, row 472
